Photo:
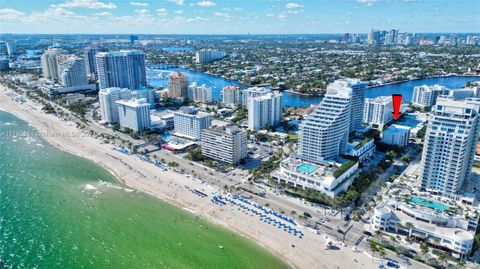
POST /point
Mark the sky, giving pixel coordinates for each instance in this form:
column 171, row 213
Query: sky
column 237, row 16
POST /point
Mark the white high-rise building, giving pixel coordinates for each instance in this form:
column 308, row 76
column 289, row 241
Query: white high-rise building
column 207, row 56
column 199, row 94
column 108, row 106
column 231, row 95
column 323, row 135
column 72, row 73
column 378, row 111
column 449, row 148
column 396, row 135
column 357, row 101
column 426, row 96
column 134, row 114
column 124, row 69
column 265, row 110
column 252, row 92
column 225, row 144
column 50, row 63
column 190, row 123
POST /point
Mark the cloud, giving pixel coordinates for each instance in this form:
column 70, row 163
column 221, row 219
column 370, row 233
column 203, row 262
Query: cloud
column 178, row 11
column 178, row 2
column 139, row 4
column 161, row 10
column 282, row 16
column 10, row 14
column 206, row 4
column 368, row 3
column 102, row 14
column 224, row 15
column 91, row 4
column 142, row 11
column 295, row 11
column 196, row 19
column 293, row 5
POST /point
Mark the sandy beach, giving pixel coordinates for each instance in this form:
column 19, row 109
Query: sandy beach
column 173, row 187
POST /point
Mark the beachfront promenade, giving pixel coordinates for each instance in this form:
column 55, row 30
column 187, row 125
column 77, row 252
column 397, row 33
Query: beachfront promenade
column 175, row 188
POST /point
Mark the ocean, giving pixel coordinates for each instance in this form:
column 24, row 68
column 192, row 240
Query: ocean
column 58, row 210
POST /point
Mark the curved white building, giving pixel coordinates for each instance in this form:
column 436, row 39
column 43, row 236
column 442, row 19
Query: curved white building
column 323, row 135
column 436, row 227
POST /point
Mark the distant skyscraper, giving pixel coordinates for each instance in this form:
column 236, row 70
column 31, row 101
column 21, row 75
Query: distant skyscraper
column 133, row 39
column 207, row 56
column 449, row 148
column 373, row 37
column 323, row 135
column 177, row 85
column 264, row 110
column 89, row 55
column 50, row 63
column 134, row 114
column 124, row 69
column 391, row 37
column 71, row 72
column 346, row 38
column 231, row 95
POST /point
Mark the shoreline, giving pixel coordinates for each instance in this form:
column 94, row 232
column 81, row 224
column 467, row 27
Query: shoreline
column 167, row 186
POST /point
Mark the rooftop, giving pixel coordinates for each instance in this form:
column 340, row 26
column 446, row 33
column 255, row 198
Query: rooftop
column 396, row 128
column 231, row 88
column 134, row 102
column 176, row 75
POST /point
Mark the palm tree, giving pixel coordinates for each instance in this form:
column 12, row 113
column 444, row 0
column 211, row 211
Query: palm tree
column 424, row 249
column 382, row 253
column 373, row 249
column 410, row 227
column 442, row 258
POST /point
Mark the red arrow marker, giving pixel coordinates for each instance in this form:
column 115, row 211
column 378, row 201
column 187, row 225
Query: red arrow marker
column 397, row 102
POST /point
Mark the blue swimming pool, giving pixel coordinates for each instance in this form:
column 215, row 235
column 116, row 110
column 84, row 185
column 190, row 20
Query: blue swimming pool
column 430, row 204
column 166, row 136
column 306, row 168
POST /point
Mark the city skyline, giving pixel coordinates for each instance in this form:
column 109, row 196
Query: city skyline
column 235, row 17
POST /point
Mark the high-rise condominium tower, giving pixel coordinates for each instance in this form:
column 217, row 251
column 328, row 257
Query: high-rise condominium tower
column 89, row 55
column 124, row 69
column 177, row 85
column 50, row 62
column 449, row 148
column 323, row 135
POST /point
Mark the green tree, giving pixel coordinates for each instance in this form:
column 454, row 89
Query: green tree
column 424, row 249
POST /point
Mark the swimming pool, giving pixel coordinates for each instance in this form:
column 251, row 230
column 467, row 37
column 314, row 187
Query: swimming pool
column 166, row 136
column 306, row 168
column 430, row 204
